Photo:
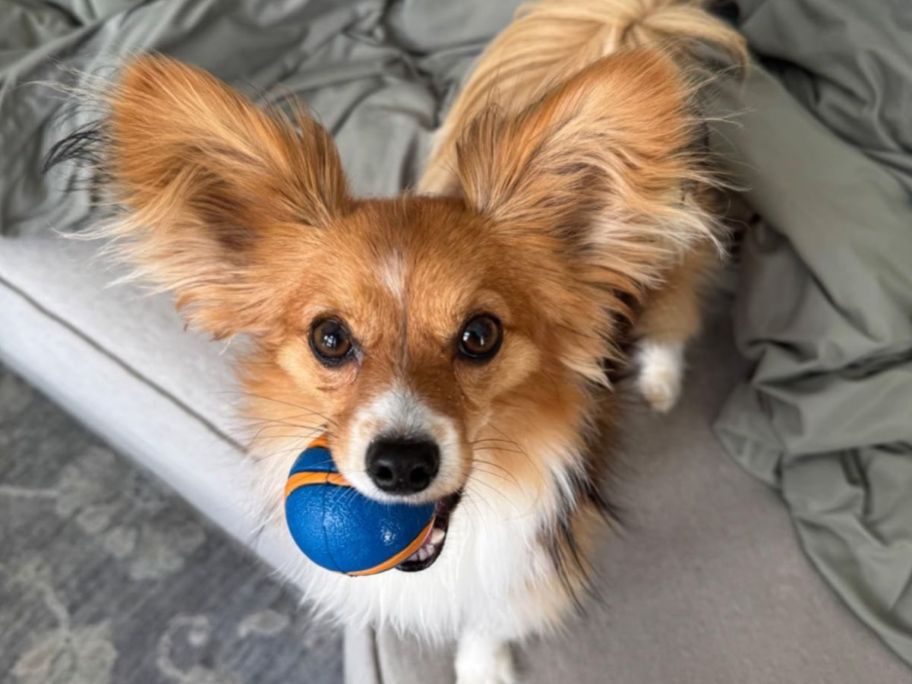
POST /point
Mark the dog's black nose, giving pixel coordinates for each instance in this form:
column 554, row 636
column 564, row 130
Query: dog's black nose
column 402, row 466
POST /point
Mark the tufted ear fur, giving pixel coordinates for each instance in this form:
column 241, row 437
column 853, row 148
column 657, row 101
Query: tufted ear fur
column 603, row 167
column 214, row 191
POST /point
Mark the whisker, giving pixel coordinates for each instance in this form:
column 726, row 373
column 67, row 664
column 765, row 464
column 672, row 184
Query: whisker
column 519, row 447
column 506, row 472
column 496, row 491
column 502, row 449
column 491, row 474
column 266, row 424
column 313, row 430
column 285, row 403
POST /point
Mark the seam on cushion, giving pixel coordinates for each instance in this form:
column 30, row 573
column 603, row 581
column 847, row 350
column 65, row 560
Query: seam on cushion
column 205, row 422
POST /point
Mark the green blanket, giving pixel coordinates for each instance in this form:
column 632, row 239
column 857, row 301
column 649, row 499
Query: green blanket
column 822, row 142
column 825, row 302
column 377, row 73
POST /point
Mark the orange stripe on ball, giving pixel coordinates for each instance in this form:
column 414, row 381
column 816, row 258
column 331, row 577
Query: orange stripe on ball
column 320, row 442
column 310, row 478
column 399, row 557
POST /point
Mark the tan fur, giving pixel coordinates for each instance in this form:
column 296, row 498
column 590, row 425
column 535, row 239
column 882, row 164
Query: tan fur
column 551, row 40
column 210, row 183
column 672, row 312
column 574, row 179
column 624, row 70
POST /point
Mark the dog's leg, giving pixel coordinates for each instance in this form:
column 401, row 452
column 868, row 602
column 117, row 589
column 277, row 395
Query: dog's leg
column 483, row 659
column 670, row 319
column 660, row 372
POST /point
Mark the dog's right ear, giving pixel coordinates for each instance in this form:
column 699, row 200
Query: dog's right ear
column 600, row 169
column 214, row 191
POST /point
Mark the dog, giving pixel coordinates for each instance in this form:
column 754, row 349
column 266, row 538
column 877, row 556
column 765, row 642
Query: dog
column 567, row 206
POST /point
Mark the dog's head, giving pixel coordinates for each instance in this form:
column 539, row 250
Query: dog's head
column 436, row 340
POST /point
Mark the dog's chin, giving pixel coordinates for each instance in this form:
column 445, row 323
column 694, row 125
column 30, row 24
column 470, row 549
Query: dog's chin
column 432, row 547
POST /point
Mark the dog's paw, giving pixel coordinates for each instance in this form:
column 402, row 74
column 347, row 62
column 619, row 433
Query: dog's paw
column 500, row 673
column 480, row 661
column 660, row 373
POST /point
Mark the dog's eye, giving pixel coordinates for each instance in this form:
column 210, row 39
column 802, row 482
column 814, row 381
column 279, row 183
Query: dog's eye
column 480, row 337
column 331, row 342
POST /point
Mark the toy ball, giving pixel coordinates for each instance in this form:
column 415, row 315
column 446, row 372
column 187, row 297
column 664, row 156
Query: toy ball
column 339, row 528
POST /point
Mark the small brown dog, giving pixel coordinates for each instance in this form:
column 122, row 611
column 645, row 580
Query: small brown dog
column 467, row 324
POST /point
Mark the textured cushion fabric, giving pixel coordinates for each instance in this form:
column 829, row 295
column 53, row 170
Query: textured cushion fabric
column 72, row 282
column 122, row 363
column 707, row 583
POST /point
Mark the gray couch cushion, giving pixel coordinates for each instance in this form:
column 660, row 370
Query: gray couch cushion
column 121, row 362
column 706, row 585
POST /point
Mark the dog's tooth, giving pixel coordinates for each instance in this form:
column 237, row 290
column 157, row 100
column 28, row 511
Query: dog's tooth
column 437, row 535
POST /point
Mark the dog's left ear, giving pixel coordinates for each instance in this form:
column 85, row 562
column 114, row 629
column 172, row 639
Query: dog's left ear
column 217, row 194
column 598, row 169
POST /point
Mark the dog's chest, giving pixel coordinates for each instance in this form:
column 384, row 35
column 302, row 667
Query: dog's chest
column 490, row 561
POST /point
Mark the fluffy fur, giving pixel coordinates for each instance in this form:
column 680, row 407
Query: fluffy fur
column 576, row 150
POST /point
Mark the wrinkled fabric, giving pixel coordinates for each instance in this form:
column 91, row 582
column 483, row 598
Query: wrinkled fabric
column 377, row 73
column 821, row 141
column 824, row 310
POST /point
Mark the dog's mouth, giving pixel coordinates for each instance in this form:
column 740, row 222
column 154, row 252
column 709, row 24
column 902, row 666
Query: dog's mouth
column 430, row 550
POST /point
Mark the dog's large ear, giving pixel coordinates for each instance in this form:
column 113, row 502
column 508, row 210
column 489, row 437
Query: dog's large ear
column 215, row 191
column 599, row 168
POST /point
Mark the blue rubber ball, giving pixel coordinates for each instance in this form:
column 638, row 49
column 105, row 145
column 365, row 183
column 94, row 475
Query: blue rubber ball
column 339, row 528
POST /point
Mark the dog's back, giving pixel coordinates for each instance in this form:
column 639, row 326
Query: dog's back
column 551, row 40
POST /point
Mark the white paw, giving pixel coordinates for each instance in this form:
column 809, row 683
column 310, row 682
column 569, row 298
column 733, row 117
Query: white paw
column 661, row 373
column 484, row 662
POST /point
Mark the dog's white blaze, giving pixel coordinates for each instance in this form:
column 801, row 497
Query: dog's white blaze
column 392, row 274
column 400, row 412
